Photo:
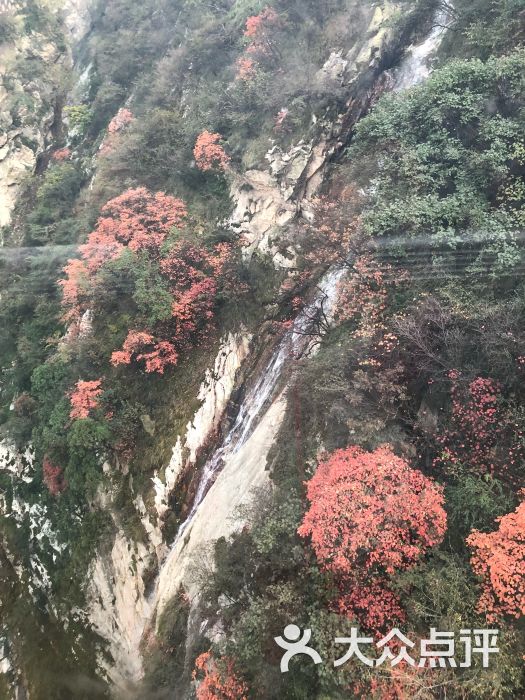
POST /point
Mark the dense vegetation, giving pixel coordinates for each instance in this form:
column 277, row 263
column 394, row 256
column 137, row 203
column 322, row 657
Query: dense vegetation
column 396, row 498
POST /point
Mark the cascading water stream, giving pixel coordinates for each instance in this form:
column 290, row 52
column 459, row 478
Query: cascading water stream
column 294, row 343
column 415, row 68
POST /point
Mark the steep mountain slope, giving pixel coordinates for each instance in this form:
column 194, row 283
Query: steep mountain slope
column 236, row 238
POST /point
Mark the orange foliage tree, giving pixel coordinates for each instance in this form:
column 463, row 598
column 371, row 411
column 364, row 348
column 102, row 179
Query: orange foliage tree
column 84, row 398
column 137, row 219
column 74, row 288
column 53, row 477
column 370, row 516
column 482, row 435
column 121, row 119
column 259, row 32
column 61, row 154
column 336, row 238
column 218, row 683
column 363, row 294
column 193, row 275
column 208, row 152
column 157, row 355
column 499, row 559
column 147, row 226
column 260, row 45
column 246, row 68
column 373, row 603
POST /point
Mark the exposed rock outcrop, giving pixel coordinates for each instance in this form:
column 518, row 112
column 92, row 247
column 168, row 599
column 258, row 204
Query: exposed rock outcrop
column 242, row 474
column 267, row 200
column 214, row 393
column 78, row 17
column 27, row 112
column 118, row 607
column 30, row 103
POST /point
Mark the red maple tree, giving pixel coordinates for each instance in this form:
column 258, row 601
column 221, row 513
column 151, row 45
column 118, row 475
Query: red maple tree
column 260, row 48
column 118, row 123
column 84, row 398
column 137, row 219
column 482, row 436
column 370, row 516
column 121, row 119
column 373, row 511
column 208, row 152
column 61, row 154
column 218, row 682
column 363, row 294
column 53, row 477
column 259, row 31
column 246, row 68
column 499, row 559
column 74, row 288
column 157, row 355
column 193, row 274
column 373, row 603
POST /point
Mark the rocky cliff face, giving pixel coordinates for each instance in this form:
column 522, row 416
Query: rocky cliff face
column 266, row 200
column 130, row 581
column 35, row 65
column 34, row 69
column 27, row 114
column 78, row 19
column 119, row 606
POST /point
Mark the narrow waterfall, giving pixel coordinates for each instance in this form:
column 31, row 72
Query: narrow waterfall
column 262, row 296
column 293, row 344
column 415, row 66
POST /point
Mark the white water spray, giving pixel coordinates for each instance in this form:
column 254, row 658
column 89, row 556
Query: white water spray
column 415, row 67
